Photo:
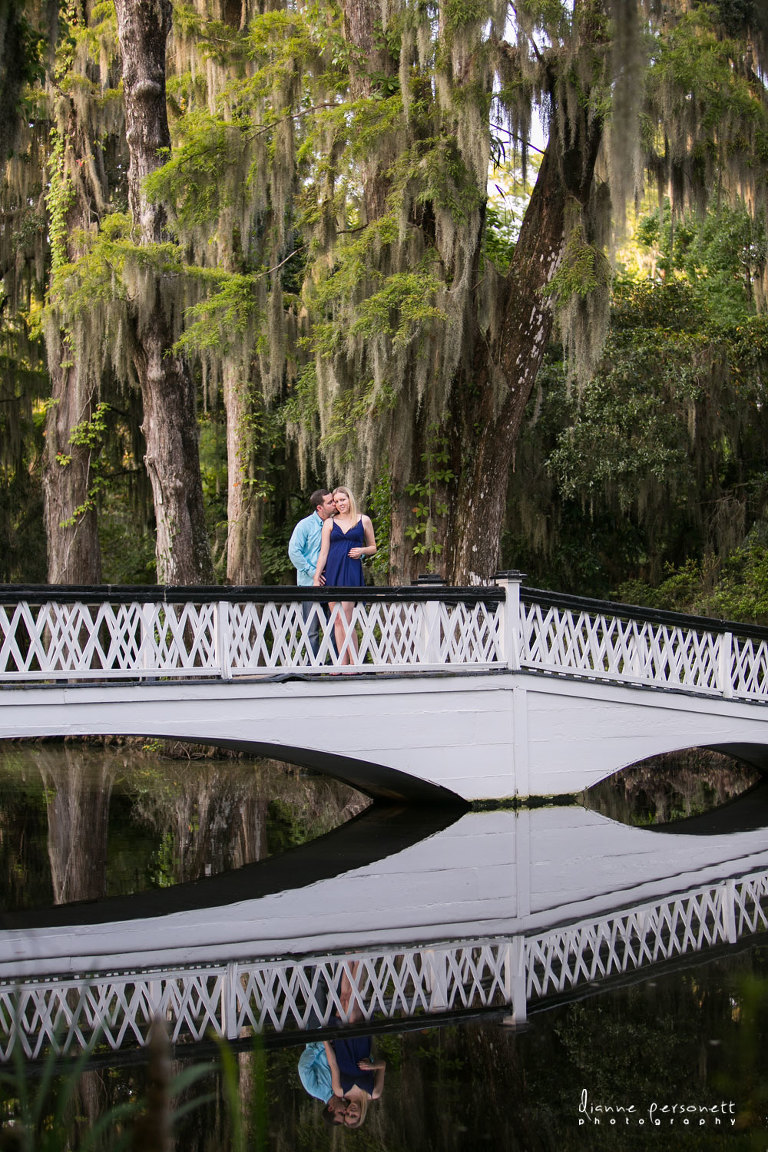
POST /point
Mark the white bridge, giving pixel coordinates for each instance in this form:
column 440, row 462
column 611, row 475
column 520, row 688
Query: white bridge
column 477, row 693
column 498, row 911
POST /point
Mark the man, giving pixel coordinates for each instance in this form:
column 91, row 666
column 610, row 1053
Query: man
column 304, row 550
column 315, row 1076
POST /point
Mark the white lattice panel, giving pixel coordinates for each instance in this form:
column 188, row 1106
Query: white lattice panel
column 629, row 651
column 750, row 668
column 101, row 641
column 117, row 1010
column 302, row 994
column 560, row 960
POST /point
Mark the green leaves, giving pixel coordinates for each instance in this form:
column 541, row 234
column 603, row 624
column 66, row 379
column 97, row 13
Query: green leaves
column 401, row 310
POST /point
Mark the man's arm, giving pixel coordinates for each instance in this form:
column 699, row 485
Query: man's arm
column 297, row 546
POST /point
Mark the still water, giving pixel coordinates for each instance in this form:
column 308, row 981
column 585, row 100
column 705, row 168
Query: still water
column 662, row 1055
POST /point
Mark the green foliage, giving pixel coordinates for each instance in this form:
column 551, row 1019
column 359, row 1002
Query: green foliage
column 90, row 435
column 402, row 309
column 191, row 178
column 380, row 509
column 219, row 322
column 583, row 267
column 721, row 256
column 60, row 198
column 661, row 458
column 430, row 505
column 42, row 1113
column 734, row 587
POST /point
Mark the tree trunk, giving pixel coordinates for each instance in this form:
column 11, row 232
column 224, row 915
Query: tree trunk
column 71, row 525
column 488, row 437
column 245, row 510
column 170, row 425
column 78, row 793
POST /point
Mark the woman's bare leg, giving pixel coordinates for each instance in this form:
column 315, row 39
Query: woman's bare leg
column 346, row 636
column 345, row 994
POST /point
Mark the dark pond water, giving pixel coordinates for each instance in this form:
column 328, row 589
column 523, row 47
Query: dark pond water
column 673, row 1055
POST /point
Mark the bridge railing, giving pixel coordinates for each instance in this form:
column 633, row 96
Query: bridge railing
column 70, row 633
column 305, row 993
column 129, row 632
column 626, row 644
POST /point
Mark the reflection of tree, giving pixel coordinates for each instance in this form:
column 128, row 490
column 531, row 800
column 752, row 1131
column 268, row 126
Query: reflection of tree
column 169, row 820
column 214, row 815
column 671, row 786
column 25, row 879
column 78, row 784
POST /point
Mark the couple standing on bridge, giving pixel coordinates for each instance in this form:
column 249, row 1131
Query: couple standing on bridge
column 327, row 549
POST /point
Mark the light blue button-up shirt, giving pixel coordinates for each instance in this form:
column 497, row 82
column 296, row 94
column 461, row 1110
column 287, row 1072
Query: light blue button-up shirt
column 314, row 1072
column 304, row 548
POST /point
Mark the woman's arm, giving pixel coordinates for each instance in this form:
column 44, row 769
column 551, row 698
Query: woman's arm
column 378, row 1080
column 333, row 1064
column 325, row 544
column 377, row 1066
column 370, row 541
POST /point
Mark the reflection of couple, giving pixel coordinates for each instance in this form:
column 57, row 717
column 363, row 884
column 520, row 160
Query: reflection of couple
column 342, row 1072
column 355, row 1076
column 327, row 549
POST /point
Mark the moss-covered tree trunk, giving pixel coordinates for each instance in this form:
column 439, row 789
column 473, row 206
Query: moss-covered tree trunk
column 487, row 432
column 170, row 427
column 71, row 524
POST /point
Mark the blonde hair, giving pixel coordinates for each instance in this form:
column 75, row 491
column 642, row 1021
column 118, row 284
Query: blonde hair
column 363, row 1101
column 350, row 497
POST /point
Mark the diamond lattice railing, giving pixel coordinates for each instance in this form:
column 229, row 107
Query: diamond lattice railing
column 302, row 994
column 387, row 630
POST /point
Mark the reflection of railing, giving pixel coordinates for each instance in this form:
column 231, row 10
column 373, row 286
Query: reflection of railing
column 128, row 633
column 560, row 960
column 237, row 999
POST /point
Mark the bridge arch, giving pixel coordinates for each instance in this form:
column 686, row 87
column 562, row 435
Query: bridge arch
column 490, row 736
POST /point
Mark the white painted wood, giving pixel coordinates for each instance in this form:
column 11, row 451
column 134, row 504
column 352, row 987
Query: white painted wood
column 485, row 736
column 50, row 640
column 440, row 926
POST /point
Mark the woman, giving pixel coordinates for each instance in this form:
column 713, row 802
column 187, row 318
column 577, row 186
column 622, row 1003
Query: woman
column 355, row 1075
column 346, row 538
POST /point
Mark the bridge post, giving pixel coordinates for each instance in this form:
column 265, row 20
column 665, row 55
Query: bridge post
column 430, row 628
column 515, row 982
column 436, row 979
column 222, row 640
column 148, row 653
column 725, row 649
column 728, row 906
column 511, row 630
column 229, row 1001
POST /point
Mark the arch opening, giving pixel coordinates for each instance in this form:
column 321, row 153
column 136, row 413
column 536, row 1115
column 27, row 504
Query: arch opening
column 724, row 787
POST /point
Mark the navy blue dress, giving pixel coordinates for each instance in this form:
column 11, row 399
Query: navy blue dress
column 349, row 1050
column 340, row 570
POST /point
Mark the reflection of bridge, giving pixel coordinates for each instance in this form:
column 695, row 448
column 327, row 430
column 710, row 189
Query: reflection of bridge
column 480, row 693
column 495, row 911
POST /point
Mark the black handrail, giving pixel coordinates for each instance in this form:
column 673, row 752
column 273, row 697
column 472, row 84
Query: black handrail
column 638, row 612
column 420, row 593
column 257, row 594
